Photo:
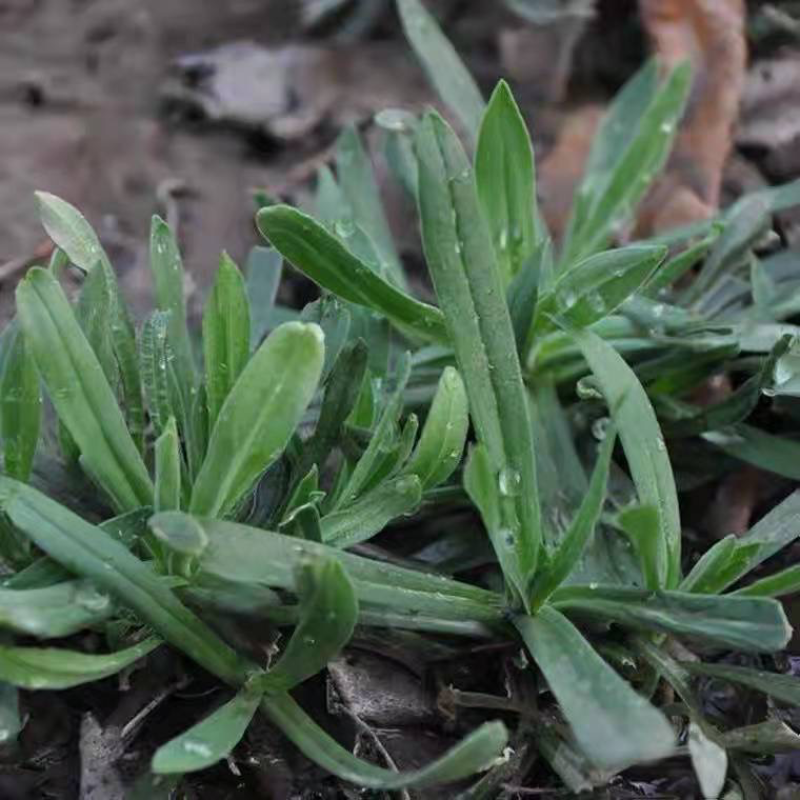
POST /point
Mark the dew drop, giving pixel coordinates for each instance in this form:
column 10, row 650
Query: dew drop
column 509, row 482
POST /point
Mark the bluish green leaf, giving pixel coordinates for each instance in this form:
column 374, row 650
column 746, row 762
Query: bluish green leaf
column 58, row 668
column 317, row 253
column 710, row 762
column 264, row 271
column 20, row 406
column 606, row 714
column 505, row 179
column 445, row 70
column 461, row 258
column 10, row 720
column 785, row 688
column 259, row 416
column 226, row 335
column 778, row 454
column 79, row 390
column 211, row 740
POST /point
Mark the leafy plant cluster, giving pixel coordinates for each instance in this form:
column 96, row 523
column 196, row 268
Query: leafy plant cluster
column 249, row 485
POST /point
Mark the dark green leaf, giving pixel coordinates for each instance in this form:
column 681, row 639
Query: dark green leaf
column 769, row 452
column 785, row 688
column 309, row 247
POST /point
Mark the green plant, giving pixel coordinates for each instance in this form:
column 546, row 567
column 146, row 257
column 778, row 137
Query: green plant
column 213, row 500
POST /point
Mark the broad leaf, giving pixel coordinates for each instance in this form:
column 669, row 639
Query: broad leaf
column 210, row 740
column 259, row 416
column 710, row 762
column 605, row 713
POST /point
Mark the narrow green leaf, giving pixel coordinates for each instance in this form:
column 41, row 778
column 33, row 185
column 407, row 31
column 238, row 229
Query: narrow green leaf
column 771, row 737
column 328, row 613
column 778, row 454
column 361, row 191
column 473, row 754
column 10, row 719
column 88, row 551
column 79, row 391
column 53, row 611
column 168, row 469
column 67, row 227
column 678, row 266
column 641, row 525
column 612, row 199
column 782, row 583
column 259, row 416
column 785, row 688
column 20, row 406
column 750, row 624
column 605, row 713
column 445, row 70
column 226, row 335
column 596, row 286
column 319, row 255
column 210, row 740
column 461, row 258
column 505, row 179
column 372, row 512
column 155, row 361
column 264, row 270
column 580, row 530
column 441, row 443
column 94, row 314
column 168, row 278
column 644, row 445
column 58, row 668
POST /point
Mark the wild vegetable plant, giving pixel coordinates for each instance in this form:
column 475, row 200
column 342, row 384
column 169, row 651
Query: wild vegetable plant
column 250, row 484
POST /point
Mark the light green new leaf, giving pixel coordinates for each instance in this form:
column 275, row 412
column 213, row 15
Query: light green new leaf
column 328, row 613
column 580, row 530
column 168, row 469
column 20, row 405
column 89, row 551
column 782, row 583
column 259, row 416
column 605, row 713
column 79, row 390
column 644, row 445
column 470, row 290
column 226, row 335
column 785, row 688
column 372, row 512
column 57, row 668
column 444, row 433
column 505, row 179
column 156, row 364
column 596, row 287
column 358, row 184
column 473, row 754
column 322, row 257
column 68, row 228
column 53, row 611
column 445, row 70
column 210, row 740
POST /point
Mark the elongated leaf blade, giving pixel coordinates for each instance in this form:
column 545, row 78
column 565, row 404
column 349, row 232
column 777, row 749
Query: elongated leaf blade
column 461, row 258
column 264, row 271
column 474, row 754
column 785, row 582
column 226, row 335
column 328, row 613
column 309, row 247
column 605, row 713
column 644, row 445
column 67, row 227
column 785, row 688
column 58, row 668
column 168, row 469
column 20, row 406
column 259, row 416
column 89, row 551
column 444, row 433
column 446, row 71
column 506, row 183
column 79, row 390
column 210, row 740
